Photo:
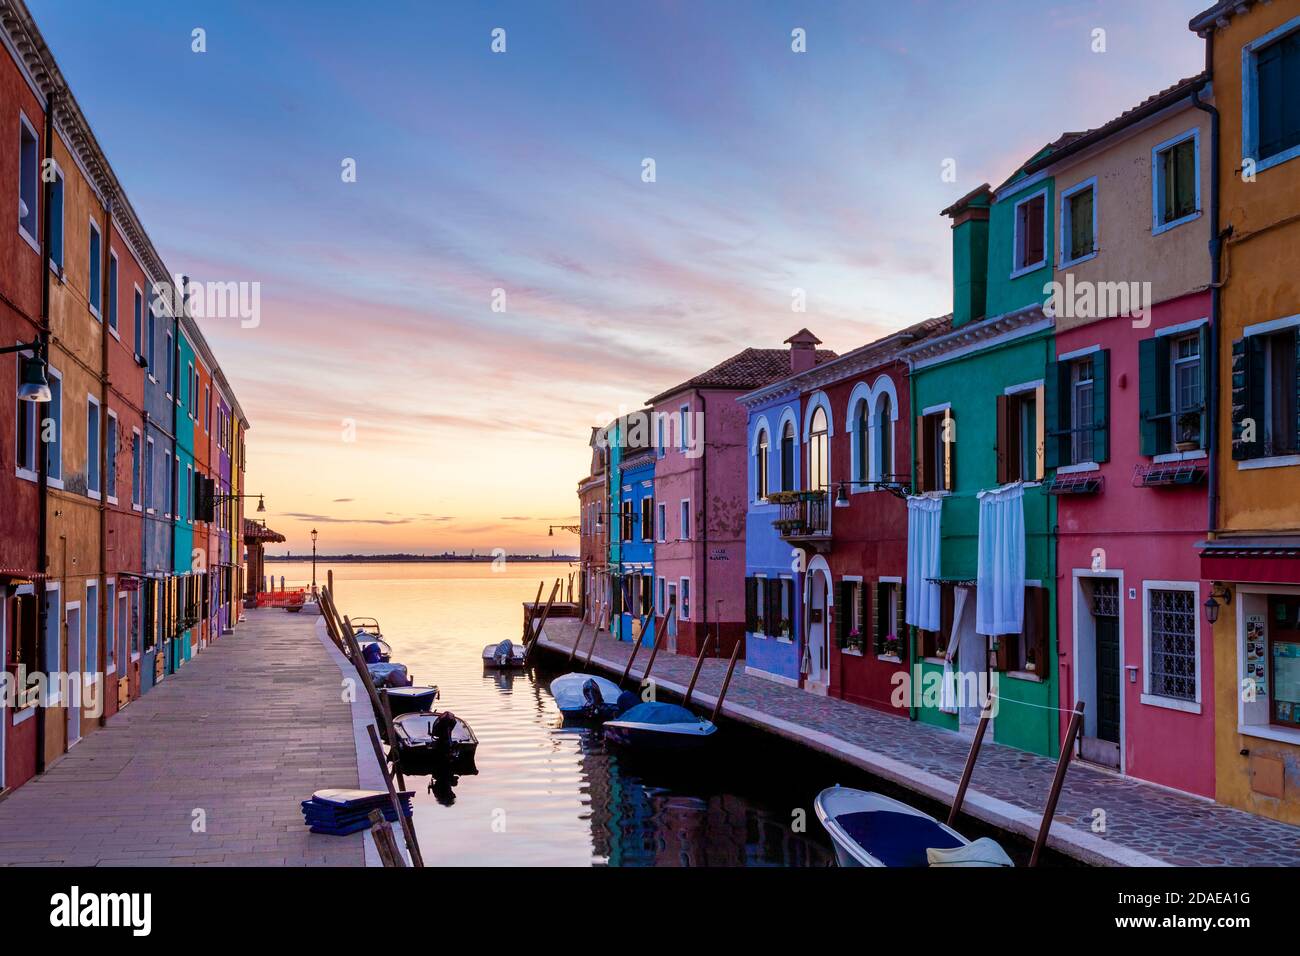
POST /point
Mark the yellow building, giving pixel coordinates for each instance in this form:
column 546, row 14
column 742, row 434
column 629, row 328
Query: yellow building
column 1253, row 555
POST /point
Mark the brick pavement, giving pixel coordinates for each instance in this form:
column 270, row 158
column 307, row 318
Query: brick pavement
column 247, row 729
column 1145, row 824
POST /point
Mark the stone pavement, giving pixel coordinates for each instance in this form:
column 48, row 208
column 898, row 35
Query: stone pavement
column 1145, row 824
column 247, row 729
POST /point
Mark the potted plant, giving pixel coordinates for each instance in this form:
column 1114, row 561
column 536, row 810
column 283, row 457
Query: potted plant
column 1189, row 431
column 783, row 629
column 893, row 646
column 854, row 640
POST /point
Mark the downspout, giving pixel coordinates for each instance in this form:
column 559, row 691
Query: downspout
column 101, row 624
column 913, row 670
column 1216, row 261
column 704, row 529
column 42, row 469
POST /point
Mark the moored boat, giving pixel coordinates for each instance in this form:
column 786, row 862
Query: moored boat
column 658, row 726
column 502, row 655
column 389, row 675
column 590, row 697
column 375, row 650
column 410, row 699
column 435, row 739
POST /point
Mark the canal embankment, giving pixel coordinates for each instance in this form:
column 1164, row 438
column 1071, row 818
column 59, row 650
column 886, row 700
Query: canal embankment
column 1102, row 819
column 208, row 768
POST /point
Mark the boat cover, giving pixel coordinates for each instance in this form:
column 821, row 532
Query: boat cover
column 658, row 713
column 981, row 852
column 896, row 839
column 372, row 652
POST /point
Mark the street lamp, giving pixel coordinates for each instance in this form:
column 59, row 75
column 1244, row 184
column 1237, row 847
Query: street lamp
column 313, row 562
column 33, row 387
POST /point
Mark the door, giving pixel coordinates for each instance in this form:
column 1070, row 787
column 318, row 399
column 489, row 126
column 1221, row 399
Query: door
column 72, row 686
column 818, row 668
column 1108, row 679
column 672, row 620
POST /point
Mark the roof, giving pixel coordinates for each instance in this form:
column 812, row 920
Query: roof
column 1148, row 107
column 1218, row 15
column 256, row 531
column 744, row 371
column 981, row 192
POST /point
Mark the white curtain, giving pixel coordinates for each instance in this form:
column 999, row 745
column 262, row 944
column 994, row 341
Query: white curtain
column 923, row 514
column 948, row 704
column 1000, row 591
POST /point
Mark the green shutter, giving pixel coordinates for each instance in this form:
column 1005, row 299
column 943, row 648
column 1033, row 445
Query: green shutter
column 1153, row 396
column 1101, row 405
column 1278, row 109
column 1056, row 433
column 1206, row 332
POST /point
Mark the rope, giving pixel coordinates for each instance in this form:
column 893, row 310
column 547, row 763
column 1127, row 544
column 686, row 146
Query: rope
column 1025, row 703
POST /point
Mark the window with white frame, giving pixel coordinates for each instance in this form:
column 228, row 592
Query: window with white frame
column 1079, row 222
column 1176, row 181
column 56, row 221
column 1171, row 641
column 137, row 315
column 788, row 457
column 110, row 630
column 135, row 469
column 110, row 452
column 1081, row 411
column 53, row 648
column 147, row 479
column 685, row 592
column 26, row 439
column 90, row 614
column 95, row 279
column 862, row 439
column 761, row 452
column 52, row 427
column 1270, row 107
column 685, row 533
column 92, row 446
column 112, row 290
column 1030, row 233
column 884, row 438
column 29, row 162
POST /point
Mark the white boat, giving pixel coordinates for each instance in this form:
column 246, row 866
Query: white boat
column 656, row 726
column 870, row 829
column 585, row 695
column 505, row 654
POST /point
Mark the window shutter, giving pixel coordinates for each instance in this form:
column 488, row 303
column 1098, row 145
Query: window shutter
column 1278, row 75
column 1033, row 244
column 842, row 615
column 1052, row 439
column 751, row 604
column 1003, row 438
column 900, row 620
column 1295, row 438
column 864, row 610
column 1101, row 405
column 1038, row 627
column 1247, row 395
column 1153, row 396
column 880, row 607
column 919, row 483
column 949, row 436
column 1205, row 377
column 773, row 609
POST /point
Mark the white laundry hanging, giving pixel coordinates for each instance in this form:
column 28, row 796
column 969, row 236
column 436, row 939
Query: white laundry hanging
column 1000, row 584
column 948, row 703
column 923, row 518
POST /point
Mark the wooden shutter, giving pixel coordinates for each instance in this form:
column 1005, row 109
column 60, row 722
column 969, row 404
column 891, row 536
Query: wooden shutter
column 1205, row 384
column 1055, row 436
column 949, row 436
column 1154, row 416
column 900, row 617
column 1005, row 430
column 771, row 609
column 1033, row 244
column 842, row 614
column 1037, row 630
column 751, row 604
column 1101, row 405
column 921, row 483
column 1248, row 380
column 1278, row 75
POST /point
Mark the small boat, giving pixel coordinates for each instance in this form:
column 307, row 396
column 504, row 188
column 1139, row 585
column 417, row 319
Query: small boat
column 590, row 697
column 657, row 726
column 870, row 829
column 389, row 675
column 375, row 651
column 365, row 627
column 409, row 700
column 505, row 654
column 435, row 738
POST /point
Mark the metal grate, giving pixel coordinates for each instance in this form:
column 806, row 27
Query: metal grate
column 1173, row 644
column 1105, row 597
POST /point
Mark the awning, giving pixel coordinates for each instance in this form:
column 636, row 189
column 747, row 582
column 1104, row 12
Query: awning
column 1251, row 560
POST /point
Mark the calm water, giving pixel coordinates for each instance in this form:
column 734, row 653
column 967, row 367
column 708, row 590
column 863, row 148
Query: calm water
column 546, row 794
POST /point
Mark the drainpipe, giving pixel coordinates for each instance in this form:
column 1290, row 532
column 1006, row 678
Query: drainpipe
column 101, row 623
column 42, row 475
column 1216, row 262
column 704, row 530
column 913, row 671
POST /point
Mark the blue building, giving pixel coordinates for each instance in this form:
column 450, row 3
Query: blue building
column 773, row 577
column 154, row 599
column 636, row 529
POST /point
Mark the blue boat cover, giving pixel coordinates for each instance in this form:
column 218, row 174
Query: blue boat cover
column 657, row 713
column 372, row 653
column 896, row 839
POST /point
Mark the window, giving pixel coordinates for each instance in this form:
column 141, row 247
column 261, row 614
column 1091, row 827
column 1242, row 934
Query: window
column 663, row 522
column 191, row 383
column 663, row 600
column 171, row 366
column 1271, row 110
column 149, row 502
column 112, row 291
column 110, row 636
column 149, row 355
column 760, row 466
column 189, row 492
column 110, row 465
column 94, row 281
column 1171, row 391
column 135, row 468
column 686, row 598
column 1020, row 447
column 90, row 612
column 936, row 450
column 56, row 221
column 685, row 534
column 756, row 604
column 138, row 316
column 1030, row 240
column 818, row 451
column 53, row 646
column 682, row 424
column 1171, row 638
column 787, row 457
column 53, row 421
column 1026, row 652
column 1078, row 222
column 862, row 443
column 92, row 447
column 887, row 626
column 884, row 439
column 29, row 163
column 850, row 617
column 123, row 629
column 27, row 427
column 628, row 515
column 1265, row 385
column 207, row 408
column 1075, row 408
column 26, row 621
column 1175, row 181
column 647, row 518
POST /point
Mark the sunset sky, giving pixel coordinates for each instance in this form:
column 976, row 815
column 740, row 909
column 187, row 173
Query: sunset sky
column 522, row 171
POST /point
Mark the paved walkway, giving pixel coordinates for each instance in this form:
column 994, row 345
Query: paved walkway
column 247, row 729
column 1144, row 824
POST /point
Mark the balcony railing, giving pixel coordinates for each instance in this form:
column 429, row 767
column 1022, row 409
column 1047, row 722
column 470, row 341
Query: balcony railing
column 804, row 514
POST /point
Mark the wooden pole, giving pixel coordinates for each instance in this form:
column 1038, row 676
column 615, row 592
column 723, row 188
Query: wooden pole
column 1067, row 748
column 392, row 736
column 595, row 636
column 659, row 634
column 408, row 830
column 969, row 769
column 636, row 646
column 582, row 626
column 364, row 672
column 385, row 842
column 726, row 681
column 531, row 609
column 695, row 674
column 528, row 645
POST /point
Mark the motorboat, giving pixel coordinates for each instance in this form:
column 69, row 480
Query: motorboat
column 389, row 675
column 503, row 655
column 590, row 697
column 435, row 739
column 870, row 829
column 659, row 726
column 410, row 699
column 375, row 650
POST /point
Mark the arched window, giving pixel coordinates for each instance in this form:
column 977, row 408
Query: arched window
column 760, row 466
column 862, row 426
column 885, row 435
column 787, row 457
column 818, row 462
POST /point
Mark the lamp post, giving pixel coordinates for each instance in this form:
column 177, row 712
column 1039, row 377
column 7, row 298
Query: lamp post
column 313, row 562
column 33, row 385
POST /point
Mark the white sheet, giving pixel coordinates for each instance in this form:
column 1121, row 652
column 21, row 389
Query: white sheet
column 923, row 519
column 948, row 704
column 1000, row 590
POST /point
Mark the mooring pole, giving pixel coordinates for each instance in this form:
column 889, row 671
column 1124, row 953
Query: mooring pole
column 659, row 633
column 408, row 830
column 726, row 681
column 531, row 609
column 636, row 646
column 595, row 636
column 528, row 645
column 695, row 674
column 1067, row 748
column 970, row 766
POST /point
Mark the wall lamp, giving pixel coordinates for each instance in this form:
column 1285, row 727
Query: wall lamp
column 33, row 386
column 261, row 504
column 576, row 529
column 1217, row 590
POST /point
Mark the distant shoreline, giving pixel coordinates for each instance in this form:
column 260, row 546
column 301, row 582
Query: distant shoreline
column 422, row 558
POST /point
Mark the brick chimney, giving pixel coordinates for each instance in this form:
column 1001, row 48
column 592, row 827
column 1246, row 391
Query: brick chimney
column 803, row 351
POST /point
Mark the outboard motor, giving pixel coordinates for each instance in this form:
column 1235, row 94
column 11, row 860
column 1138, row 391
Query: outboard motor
column 591, row 694
column 626, row 701
column 505, row 651
column 441, row 730
column 371, row 653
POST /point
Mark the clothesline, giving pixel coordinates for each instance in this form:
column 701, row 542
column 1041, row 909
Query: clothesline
column 1025, row 703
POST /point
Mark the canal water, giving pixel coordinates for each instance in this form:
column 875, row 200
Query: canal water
column 551, row 795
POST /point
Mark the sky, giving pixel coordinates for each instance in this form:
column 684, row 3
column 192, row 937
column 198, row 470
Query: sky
column 438, row 334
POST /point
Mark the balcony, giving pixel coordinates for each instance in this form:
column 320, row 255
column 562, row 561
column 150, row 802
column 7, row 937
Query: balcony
column 805, row 518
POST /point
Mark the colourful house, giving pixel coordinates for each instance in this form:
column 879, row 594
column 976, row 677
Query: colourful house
column 593, row 533
column 634, row 601
column 1251, row 560
column 1126, row 436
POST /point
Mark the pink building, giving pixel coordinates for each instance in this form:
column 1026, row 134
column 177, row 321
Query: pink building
column 701, row 494
column 1125, row 430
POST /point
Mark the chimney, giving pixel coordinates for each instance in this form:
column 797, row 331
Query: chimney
column 970, row 254
column 803, row 351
